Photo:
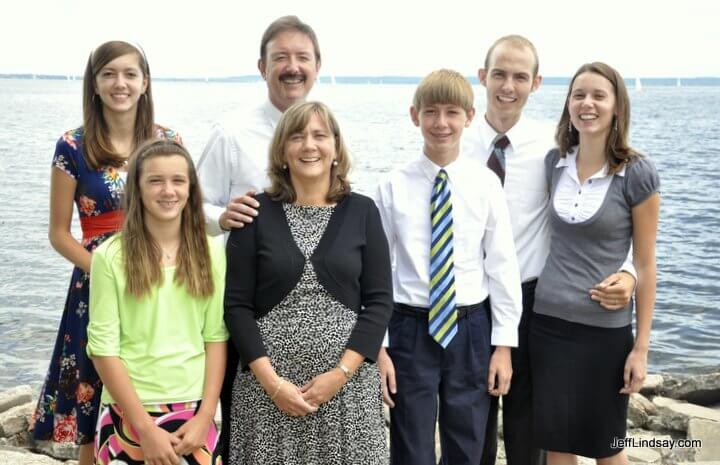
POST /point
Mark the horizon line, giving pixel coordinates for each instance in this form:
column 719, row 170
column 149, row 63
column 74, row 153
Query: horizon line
column 375, row 79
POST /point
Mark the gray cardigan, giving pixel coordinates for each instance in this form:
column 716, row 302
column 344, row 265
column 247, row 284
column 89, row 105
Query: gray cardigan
column 583, row 254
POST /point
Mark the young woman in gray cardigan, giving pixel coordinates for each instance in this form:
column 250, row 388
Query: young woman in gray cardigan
column 604, row 199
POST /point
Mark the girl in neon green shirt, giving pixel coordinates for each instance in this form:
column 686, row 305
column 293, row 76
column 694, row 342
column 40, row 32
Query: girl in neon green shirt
column 156, row 332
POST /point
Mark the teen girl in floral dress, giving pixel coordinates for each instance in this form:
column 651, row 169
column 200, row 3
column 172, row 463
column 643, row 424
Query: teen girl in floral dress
column 88, row 171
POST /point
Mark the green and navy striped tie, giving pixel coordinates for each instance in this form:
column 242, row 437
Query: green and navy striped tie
column 442, row 319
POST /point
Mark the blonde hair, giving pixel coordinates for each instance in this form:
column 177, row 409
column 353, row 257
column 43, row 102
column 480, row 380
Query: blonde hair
column 142, row 254
column 294, row 120
column 444, row 86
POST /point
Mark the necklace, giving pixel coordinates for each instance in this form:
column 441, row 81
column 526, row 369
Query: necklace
column 169, row 254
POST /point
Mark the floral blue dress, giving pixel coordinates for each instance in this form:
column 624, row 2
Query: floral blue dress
column 69, row 401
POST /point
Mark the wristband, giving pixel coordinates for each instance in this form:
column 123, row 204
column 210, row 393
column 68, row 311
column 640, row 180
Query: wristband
column 346, row 371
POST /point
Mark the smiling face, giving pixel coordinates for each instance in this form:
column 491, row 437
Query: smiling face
column 508, row 80
column 309, row 153
column 120, row 84
column 441, row 125
column 164, row 188
column 290, row 68
column 591, row 105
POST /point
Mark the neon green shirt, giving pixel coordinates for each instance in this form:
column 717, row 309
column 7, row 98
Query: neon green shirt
column 160, row 338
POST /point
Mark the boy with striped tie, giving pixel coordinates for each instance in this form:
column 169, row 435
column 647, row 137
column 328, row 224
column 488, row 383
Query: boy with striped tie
column 456, row 285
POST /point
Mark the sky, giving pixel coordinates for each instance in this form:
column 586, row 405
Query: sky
column 214, row 38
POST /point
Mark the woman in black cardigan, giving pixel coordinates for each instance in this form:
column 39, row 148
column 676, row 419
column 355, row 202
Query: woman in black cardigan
column 307, row 300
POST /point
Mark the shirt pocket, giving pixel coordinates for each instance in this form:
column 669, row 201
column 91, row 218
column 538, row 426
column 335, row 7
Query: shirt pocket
column 468, row 233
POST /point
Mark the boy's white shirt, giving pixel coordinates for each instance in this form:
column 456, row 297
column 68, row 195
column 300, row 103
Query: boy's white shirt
column 485, row 262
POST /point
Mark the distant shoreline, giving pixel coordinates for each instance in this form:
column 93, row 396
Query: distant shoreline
column 630, row 82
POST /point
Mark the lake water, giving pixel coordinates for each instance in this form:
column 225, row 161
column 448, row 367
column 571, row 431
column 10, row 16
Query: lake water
column 678, row 127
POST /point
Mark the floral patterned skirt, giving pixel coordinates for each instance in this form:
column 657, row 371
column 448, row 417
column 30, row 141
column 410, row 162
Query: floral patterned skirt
column 69, row 401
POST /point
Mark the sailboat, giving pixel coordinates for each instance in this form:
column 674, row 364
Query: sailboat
column 638, row 84
column 678, row 83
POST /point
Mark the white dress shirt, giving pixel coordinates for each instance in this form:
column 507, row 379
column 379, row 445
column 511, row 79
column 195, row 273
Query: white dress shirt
column 485, row 262
column 574, row 201
column 235, row 159
column 525, row 187
column 525, row 184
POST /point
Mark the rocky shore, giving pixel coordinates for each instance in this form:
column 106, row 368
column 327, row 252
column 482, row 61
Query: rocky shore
column 674, row 420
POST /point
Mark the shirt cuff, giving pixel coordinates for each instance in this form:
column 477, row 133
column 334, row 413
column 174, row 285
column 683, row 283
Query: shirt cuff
column 386, row 340
column 504, row 336
column 212, row 218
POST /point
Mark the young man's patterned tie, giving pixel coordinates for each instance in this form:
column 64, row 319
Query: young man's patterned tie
column 442, row 318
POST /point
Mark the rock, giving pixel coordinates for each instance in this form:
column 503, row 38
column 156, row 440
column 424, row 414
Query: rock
column 656, row 424
column 639, row 410
column 17, row 456
column 676, row 416
column 643, row 455
column 58, row 450
column 708, row 432
column 13, row 397
column 647, row 405
column 16, row 419
column 697, row 389
column 21, row 439
column 714, row 462
column 651, row 385
column 660, row 401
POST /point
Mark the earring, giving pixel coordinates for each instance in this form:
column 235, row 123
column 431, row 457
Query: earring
column 570, row 126
column 615, row 124
column 335, row 162
column 284, row 167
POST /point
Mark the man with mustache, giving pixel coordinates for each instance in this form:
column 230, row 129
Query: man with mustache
column 234, row 162
column 235, row 158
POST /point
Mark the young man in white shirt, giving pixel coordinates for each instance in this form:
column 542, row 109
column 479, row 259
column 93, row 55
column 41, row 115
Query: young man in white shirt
column 510, row 74
column 234, row 162
column 235, row 158
column 449, row 259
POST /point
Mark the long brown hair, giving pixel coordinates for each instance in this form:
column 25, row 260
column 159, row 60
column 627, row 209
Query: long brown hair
column 293, row 121
column 617, row 149
column 96, row 143
column 142, row 254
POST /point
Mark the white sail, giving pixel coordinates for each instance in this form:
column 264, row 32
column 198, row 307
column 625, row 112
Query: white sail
column 638, row 84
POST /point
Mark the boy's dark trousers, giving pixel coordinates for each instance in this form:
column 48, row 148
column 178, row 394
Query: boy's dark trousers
column 426, row 373
column 517, row 404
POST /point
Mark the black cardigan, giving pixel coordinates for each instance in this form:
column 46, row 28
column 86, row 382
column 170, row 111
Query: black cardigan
column 351, row 262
